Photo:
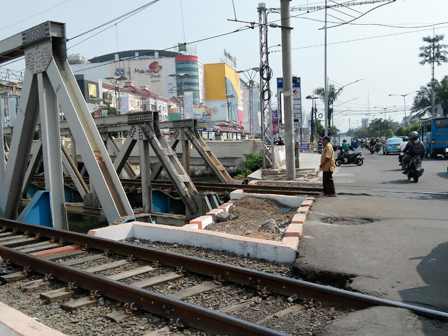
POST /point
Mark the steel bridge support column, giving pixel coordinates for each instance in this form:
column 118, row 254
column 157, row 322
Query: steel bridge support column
column 51, row 147
column 145, row 173
column 185, row 152
column 22, row 139
column 35, row 160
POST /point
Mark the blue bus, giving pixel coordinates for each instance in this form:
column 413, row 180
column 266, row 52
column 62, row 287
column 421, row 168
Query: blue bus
column 434, row 134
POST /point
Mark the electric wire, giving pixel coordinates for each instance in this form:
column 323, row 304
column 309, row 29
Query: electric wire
column 30, row 17
column 173, row 47
column 112, row 25
column 234, row 10
column 182, row 16
column 116, row 19
column 364, row 14
column 362, row 39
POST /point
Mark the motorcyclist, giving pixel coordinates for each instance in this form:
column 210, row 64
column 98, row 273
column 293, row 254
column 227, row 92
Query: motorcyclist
column 413, row 148
column 401, row 149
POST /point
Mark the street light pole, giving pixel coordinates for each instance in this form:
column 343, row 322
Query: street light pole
column 404, row 100
column 250, row 76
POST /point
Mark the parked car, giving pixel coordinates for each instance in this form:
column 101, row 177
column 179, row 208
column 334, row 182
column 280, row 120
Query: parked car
column 392, row 145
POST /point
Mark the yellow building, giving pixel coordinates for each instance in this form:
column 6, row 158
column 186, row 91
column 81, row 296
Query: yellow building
column 223, row 93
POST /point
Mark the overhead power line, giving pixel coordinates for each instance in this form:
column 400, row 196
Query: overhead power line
column 116, row 19
column 30, row 17
column 362, row 39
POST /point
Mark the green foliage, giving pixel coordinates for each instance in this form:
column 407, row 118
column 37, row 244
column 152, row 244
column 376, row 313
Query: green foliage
column 111, row 111
column 332, row 131
column 252, row 163
column 433, row 52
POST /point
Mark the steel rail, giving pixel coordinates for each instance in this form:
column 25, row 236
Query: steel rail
column 281, row 285
column 217, row 186
column 179, row 312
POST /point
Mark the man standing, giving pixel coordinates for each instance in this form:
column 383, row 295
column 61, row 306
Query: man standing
column 327, row 166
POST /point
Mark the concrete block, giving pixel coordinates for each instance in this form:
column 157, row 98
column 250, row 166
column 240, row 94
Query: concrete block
column 191, row 226
column 291, row 242
column 244, row 246
column 307, row 202
column 290, row 201
column 311, row 198
column 15, row 323
column 304, row 210
column 294, row 230
column 202, row 221
column 123, row 231
column 63, row 249
column 226, row 206
column 299, row 218
column 214, row 212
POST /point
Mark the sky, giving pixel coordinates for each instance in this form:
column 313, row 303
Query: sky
column 386, row 64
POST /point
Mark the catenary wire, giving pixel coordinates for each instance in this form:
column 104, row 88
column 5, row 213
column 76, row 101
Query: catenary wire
column 116, row 19
column 30, row 17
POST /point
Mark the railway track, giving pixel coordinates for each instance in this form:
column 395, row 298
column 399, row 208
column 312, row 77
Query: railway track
column 133, row 274
column 220, row 187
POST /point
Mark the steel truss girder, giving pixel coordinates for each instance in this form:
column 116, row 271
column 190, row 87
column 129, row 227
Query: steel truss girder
column 102, row 174
column 168, row 158
column 121, row 158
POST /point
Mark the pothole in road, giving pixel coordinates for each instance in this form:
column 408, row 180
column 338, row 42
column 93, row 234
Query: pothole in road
column 323, row 277
column 346, row 220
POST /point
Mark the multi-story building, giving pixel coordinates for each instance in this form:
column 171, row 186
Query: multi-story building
column 165, row 73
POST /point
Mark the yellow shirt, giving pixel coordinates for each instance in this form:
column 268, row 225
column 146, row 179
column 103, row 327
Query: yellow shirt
column 327, row 153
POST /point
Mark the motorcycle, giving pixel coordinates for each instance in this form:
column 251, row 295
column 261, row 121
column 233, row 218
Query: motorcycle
column 319, row 147
column 375, row 148
column 415, row 169
column 346, row 158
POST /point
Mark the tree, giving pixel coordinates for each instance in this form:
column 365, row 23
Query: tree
column 422, row 100
column 433, row 53
column 333, row 95
column 441, row 90
column 333, row 130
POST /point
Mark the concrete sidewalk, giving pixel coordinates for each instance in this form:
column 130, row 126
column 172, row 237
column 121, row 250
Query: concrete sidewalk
column 309, row 160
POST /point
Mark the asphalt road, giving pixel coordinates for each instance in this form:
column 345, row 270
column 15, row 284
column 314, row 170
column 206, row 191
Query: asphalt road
column 381, row 174
column 400, row 250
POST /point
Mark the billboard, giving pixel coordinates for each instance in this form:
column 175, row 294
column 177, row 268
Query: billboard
column 296, row 100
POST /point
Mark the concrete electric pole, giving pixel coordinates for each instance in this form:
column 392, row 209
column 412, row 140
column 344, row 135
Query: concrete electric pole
column 285, row 6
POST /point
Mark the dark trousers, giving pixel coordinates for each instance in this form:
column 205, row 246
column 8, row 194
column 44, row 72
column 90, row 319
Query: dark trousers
column 328, row 183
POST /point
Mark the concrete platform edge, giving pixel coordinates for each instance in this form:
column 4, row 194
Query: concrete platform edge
column 15, row 323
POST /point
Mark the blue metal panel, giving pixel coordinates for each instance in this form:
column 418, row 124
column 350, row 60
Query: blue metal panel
column 38, row 210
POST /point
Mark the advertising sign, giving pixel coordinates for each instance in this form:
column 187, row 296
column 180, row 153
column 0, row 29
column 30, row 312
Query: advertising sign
column 188, row 105
column 296, row 100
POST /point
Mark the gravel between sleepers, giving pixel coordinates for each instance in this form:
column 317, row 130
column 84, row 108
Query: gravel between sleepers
column 89, row 321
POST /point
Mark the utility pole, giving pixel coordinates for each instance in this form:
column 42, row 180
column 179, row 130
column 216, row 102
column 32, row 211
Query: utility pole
column 433, row 94
column 326, row 69
column 265, row 90
column 285, row 6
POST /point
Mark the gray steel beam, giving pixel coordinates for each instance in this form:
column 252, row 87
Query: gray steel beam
column 145, row 173
column 36, row 157
column 159, row 167
column 22, row 140
column 209, row 157
column 99, row 165
column 51, row 148
column 75, row 175
column 15, row 46
column 122, row 155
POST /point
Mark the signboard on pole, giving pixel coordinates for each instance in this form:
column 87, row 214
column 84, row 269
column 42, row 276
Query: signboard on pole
column 188, row 105
column 296, row 100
